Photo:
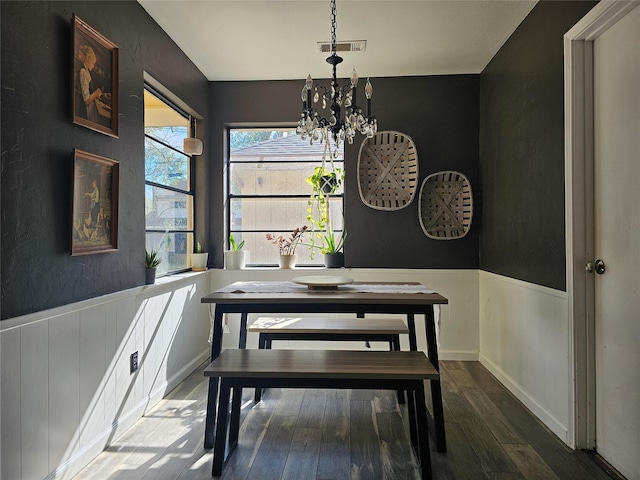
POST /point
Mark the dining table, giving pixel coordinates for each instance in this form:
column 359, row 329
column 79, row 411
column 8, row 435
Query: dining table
column 360, row 298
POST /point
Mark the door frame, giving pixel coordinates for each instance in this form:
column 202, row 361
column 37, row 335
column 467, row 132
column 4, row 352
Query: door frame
column 579, row 212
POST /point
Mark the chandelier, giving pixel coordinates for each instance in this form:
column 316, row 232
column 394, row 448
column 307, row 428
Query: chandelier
column 314, row 127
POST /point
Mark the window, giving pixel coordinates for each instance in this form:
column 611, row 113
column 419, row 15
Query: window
column 168, row 185
column 267, row 190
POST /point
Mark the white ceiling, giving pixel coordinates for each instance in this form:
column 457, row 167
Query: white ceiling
column 276, row 39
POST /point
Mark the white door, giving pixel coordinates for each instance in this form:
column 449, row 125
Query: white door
column 617, row 243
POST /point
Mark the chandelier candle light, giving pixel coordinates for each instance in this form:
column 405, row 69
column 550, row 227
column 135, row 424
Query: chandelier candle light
column 318, row 128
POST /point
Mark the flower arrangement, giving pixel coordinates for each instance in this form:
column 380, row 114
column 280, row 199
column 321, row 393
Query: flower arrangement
column 287, row 246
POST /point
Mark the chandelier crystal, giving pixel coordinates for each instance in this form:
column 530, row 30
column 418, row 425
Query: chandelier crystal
column 311, row 125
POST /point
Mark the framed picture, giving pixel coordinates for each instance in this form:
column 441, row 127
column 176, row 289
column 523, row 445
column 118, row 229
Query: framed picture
column 94, row 89
column 94, row 212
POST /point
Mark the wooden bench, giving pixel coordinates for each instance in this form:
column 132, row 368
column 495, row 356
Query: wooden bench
column 345, row 369
column 328, row 329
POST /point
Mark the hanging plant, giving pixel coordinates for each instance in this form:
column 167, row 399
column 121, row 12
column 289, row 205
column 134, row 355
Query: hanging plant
column 325, row 181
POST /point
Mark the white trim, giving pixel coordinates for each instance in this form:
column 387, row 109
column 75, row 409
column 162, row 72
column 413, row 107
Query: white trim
column 555, row 425
column 529, row 286
column 578, row 68
column 46, row 315
column 602, row 17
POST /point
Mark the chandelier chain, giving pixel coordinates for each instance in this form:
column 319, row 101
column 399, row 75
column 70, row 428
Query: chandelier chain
column 333, row 27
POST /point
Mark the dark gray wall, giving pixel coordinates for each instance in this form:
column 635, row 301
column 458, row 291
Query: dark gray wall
column 439, row 113
column 522, row 149
column 506, row 122
column 38, row 138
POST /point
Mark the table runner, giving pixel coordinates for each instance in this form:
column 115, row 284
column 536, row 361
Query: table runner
column 288, row 287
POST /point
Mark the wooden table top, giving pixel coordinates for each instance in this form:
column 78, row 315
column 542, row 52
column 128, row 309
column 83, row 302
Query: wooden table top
column 235, row 294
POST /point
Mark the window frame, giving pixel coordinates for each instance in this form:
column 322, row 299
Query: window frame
column 191, row 192
column 229, row 196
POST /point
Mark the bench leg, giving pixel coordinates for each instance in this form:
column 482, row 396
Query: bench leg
column 423, row 432
column 221, row 428
column 234, row 427
column 262, row 344
column 394, row 345
column 413, row 434
column 210, row 419
column 438, row 415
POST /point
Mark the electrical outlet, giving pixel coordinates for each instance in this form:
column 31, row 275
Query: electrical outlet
column 134, row 362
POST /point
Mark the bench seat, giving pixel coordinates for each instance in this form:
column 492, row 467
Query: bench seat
column 337, row 326
column 345, row 369
column 328, row 329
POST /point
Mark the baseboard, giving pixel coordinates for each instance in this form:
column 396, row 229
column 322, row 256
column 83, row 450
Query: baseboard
column 551, row 422
column 76, row 462
column 176, row 379
column 463, row 356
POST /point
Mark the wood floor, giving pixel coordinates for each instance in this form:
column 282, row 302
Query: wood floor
column 346, row 434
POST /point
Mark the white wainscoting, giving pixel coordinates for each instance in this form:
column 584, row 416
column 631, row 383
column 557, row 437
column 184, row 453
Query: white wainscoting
column 525, row 343
column 459, row 334
column 66, row 389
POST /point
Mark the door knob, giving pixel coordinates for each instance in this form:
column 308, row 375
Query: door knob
column 598, row 267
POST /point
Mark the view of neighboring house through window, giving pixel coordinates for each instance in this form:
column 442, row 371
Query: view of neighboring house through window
column 168, row 186
column 267, row 190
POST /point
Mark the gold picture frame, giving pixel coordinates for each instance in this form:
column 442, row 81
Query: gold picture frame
column 94, row 87
column 94, row 211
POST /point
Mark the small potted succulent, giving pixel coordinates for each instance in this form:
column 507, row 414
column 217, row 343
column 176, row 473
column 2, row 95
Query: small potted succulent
column 287, row 246
column 152, row 261
column 332, row 244
column 199, row 259
column 236, row 257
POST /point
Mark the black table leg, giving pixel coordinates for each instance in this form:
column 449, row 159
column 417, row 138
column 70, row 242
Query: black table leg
column 242, row 340
column 411, row 324
column 436, row 391
column 395, row 346
column 216, row 347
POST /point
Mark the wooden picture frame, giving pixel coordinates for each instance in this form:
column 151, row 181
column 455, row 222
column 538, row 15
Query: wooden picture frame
column 94, row 84
column 94, row 210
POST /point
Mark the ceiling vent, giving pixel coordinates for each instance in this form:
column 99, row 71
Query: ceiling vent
column 349, row 46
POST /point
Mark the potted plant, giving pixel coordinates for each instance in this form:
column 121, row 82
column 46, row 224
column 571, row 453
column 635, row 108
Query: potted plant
column 324, row 182
column 332, row 245
column 152, row 261
column 287, row 246
column 235, row 258
column 199, row 259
